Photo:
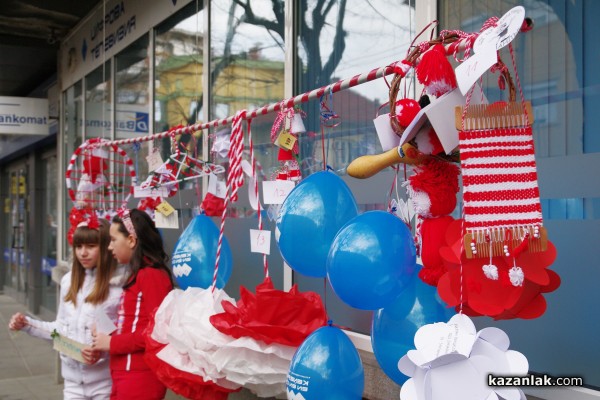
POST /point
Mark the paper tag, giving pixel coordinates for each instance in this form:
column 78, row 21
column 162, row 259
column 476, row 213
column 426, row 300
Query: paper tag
column 216, row 187
column 385, row 133
column 165, row 208
column 161, row 191
column 507, row 27
column 252, row 195
column 104, row 324
column 297, row 124
column 170, row 222
column 285, row 140
column 275, row 192
column 468, row 72
column 260, row 241
column 154, row 161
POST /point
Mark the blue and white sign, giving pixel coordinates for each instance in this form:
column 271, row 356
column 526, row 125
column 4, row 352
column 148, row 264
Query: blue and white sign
column 23, row 116
column 130, row 120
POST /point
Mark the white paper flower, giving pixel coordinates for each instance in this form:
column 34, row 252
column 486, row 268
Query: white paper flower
column 222, row 143
column 194, row 345
column 452, row 362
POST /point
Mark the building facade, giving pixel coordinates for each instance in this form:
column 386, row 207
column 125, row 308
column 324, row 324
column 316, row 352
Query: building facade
column 133, row 68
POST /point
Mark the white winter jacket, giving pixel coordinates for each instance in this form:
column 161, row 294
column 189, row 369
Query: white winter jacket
column 76, row 322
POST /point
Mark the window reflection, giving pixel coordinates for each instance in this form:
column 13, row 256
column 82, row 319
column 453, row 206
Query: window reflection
column 179, row 49
column 132, row 102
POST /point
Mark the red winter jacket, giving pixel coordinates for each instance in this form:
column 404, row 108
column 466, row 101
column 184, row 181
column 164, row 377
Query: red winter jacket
column 137, row 304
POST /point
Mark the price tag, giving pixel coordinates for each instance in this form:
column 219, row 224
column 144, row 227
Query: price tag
column 154, row 160
column 473, row 67
column 165, row 208
column 216, row 187
column 286, row 140
column 260, row 241
column 170, row 222
column 275, row 192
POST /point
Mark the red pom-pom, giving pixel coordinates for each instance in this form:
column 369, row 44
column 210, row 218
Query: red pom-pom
column 435, row 72
column 406, row 110
column 437, row 179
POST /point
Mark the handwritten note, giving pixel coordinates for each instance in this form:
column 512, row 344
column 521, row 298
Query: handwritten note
column 260, row 241
column 473, row 67
column 275, row 192
column 154, row 161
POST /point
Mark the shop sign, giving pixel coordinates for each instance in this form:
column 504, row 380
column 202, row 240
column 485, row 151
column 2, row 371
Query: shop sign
column 23, row 116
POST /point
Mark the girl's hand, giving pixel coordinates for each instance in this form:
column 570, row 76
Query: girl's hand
column 90, row 355
column 100, row 341
column 17, row 322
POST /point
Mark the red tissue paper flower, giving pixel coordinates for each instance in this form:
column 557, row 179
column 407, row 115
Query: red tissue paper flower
column 186, row 384
column 212, row 205
column 272, row 315
column 496, row 294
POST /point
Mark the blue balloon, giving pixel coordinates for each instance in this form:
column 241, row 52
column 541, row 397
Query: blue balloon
column 326, row 366
column 394, row 327
column 195, row 254
column 371, row 259
column 309, row 219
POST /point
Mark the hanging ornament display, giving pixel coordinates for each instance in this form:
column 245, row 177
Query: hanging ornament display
column 89, row 182
column 284, row 134
column 452, row 361
column 502, row 287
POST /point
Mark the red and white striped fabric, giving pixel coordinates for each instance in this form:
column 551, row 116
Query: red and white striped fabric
column 500, row 188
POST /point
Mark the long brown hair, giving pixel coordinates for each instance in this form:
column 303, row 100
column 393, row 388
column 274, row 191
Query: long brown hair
column 149, row 250
column 105, row 267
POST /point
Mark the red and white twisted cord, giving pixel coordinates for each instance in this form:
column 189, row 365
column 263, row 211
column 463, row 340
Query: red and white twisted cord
column 235, row 179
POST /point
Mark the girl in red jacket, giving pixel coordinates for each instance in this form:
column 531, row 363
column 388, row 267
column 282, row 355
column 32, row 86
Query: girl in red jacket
column 134, row 240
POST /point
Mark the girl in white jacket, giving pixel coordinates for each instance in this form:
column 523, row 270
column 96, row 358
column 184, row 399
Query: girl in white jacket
column 93, row 285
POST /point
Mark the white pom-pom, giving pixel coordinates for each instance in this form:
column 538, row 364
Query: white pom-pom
column 516, row 276
column 490, row 271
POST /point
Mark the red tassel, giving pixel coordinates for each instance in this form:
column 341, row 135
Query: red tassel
column 435, row 72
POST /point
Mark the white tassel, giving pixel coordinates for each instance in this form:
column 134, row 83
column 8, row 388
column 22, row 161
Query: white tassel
column 516, row 276
column 490, row 271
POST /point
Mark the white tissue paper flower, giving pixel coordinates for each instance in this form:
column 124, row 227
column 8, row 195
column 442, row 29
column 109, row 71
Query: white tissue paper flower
column 452, row 361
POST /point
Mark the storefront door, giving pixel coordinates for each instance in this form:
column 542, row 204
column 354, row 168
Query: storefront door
column 16, row 229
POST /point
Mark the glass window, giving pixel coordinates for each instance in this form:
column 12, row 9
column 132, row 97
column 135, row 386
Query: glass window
column 247, row 69
column 333, row 44
column 178, row 69
column 557, row 64
column 132, row 105
column 98, row 110
column 72, row 138
column 178, row 52
column 49, row 229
